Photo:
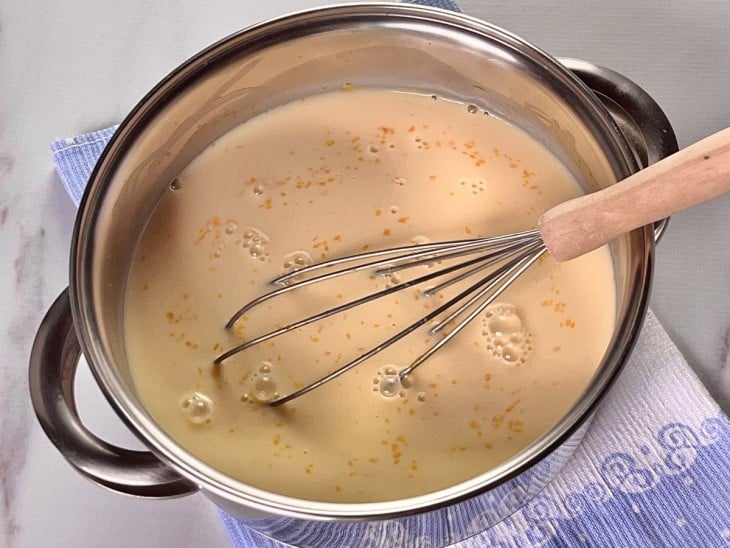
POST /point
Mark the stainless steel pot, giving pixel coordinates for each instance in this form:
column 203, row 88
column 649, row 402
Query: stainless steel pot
column 601, row 137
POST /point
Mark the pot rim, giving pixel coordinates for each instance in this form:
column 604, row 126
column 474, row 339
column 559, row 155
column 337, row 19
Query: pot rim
column 235, row 491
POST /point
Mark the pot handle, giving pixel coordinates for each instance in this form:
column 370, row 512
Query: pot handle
column 53, row 362
column 640, row 119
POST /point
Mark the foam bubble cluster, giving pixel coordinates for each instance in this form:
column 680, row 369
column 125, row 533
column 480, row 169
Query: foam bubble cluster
column 296, row 260
column 389, row 384
column 197, row 407
column 421, row 240
column 506, row 334
column 231, row 227
column 256, row 242
column 261, row 385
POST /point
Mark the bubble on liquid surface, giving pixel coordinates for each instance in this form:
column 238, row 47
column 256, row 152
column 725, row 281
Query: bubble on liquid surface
column 255, row 241
column 231, row 227
column 504, row 323
column 388, row 383
column 389, row 386
column 295, row 261
column 511, row 352
column 392, row 278
column 472, row 109
column 422, row 240
column 264, row 388
column 175, row 184
column 261, row 385
column 197, row 407
column 257, row 249
column 506, row 334
column 217, row 253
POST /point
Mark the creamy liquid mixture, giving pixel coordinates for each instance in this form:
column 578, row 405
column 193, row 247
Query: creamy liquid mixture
column 333, row 175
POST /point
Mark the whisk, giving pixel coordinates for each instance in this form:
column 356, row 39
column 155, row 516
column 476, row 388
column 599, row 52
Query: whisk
column 692, row 176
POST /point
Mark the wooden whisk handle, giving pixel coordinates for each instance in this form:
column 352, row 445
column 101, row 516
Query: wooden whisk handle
column 690, row 177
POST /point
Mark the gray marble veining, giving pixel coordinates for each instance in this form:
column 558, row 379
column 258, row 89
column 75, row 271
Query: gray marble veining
column 22, row 303
column 25, row 306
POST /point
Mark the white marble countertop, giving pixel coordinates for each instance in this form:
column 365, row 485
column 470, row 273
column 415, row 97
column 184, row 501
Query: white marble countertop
column 74, row 66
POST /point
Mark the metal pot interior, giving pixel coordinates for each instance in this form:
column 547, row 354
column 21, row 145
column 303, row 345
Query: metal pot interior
column 396, row 47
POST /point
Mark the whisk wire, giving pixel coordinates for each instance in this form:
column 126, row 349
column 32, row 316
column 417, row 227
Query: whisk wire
column 346, row 306
column 490, row 259
column 492, row 251
column 517, row 267
column 496, row 256
column 492, row 282
column 510, row 254
column 497, row 281
column 408, row 253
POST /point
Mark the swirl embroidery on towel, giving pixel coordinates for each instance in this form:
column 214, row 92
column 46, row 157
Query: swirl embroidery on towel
column 623, row 493
column 627, row 481
column 623, row 474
